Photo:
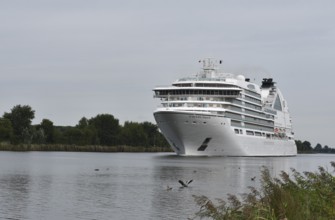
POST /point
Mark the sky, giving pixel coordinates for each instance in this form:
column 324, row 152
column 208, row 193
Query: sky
column 69, row 59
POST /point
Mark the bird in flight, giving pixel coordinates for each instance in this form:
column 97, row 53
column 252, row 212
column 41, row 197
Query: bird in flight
column 186, row 183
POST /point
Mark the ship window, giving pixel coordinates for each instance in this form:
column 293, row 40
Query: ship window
column 258, row 134
column 250, row 133
column 237, row 131
column 277, row 105
column 241, row 132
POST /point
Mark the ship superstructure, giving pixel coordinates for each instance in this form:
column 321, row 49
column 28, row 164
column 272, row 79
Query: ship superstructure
column 216, row 113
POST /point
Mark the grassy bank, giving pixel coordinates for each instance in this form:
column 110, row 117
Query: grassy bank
column 75, row 148
column 306, row 196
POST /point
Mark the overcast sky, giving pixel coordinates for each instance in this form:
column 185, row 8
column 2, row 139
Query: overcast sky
column 73, row 58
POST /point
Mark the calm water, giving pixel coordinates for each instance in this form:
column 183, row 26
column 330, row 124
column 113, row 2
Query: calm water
column 62, row 185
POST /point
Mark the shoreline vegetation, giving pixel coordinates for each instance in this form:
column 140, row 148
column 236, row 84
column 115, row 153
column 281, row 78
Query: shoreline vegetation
column 102, row 133
column 299, row 196
column 4, row 146
column 76, row 148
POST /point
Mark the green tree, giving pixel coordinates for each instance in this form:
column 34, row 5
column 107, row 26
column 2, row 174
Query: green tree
column 160, row 140
column 151, row 131
column 83, row 123
column 318, row 148
column 107, row 129
column 6, row 129
column 304, row 147
column 73, row 136
column 48, row 128
column 38, row 135
column 299, row 145
column 20, row 118
column 155, row 138
column 60, row 134
column 307, row 147
column 133, row 134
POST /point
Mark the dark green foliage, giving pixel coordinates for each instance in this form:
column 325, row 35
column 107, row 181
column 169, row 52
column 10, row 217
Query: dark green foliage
column 73, row 136
column 155, row 138
column 38, row 136
column 20, row 118
column 306, row 196
column 325, row 150
column 103, row 130
column 152, row 133
column 143, row 134
column 133, row 134
column 83, row 123
column 91, row 132
column 107, row 129
column 47, row 127
column 318, row 148
column 304, row 147
column 6, row 129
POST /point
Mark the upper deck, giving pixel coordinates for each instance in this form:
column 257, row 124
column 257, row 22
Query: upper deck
column 209, row 82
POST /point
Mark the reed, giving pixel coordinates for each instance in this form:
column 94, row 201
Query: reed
column 301, row 196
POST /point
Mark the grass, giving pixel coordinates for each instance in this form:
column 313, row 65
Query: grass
column 302, row 196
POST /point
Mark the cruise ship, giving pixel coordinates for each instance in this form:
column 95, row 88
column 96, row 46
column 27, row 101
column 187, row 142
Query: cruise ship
column 220, row 114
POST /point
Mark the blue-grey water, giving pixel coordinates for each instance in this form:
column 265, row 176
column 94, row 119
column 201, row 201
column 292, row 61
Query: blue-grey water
column 64, row 185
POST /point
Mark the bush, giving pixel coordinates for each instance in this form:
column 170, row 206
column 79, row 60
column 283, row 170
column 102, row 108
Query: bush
column 310, row 195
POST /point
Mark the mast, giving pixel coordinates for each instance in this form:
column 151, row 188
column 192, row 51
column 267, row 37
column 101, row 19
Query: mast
column 209, row 67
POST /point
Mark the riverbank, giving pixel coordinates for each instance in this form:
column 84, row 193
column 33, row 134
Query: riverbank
column 75, row 148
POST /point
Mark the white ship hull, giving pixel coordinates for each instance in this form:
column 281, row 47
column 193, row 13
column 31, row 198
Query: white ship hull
column 201, row 134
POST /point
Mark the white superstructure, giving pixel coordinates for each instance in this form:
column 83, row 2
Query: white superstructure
column 220, row 114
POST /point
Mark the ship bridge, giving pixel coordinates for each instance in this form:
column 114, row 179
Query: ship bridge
column 232, row 92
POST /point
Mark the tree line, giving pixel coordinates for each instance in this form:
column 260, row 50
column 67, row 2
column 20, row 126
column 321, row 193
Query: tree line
column 306, row 147
column 104, row 129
